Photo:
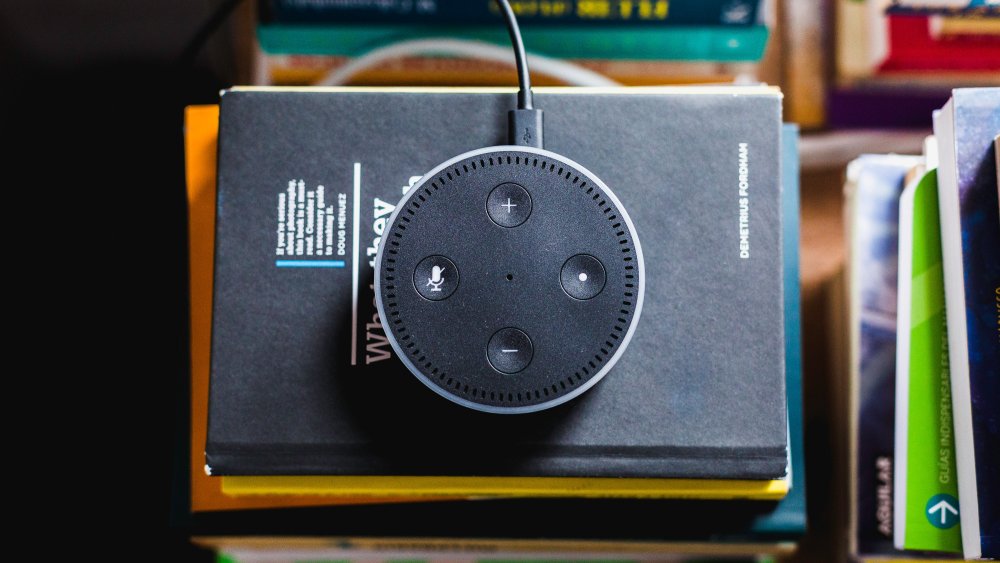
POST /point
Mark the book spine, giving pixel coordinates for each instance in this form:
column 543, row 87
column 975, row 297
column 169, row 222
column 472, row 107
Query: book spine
column 789, row 517
column 804, row 63
column 970, row 230
column 853, row 38
column 573, row 13
column 877, row 184
column 927, row 509
column 883, row 107
column 947, row 27
column 902, row 419
column 721, row 44
column 977, row 120
column 912, row 47
column 996, row 154
column 929, row 7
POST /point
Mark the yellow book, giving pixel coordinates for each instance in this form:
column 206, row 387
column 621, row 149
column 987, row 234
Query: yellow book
column 396, row 486
column 947, row 26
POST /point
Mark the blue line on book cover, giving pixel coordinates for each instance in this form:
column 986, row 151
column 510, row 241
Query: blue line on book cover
column 309, row 263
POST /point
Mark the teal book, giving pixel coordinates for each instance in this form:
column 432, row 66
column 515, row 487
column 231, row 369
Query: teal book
column 614, row 42
column 788, row 519
column 927, row 509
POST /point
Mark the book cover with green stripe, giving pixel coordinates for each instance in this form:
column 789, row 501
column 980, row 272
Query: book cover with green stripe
column 613, row 42
column 926, row 511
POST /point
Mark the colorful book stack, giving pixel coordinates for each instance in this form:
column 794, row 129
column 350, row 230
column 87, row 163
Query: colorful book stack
column 226, row 512
column 925, row 233
column 897, row 61
column 633, row 42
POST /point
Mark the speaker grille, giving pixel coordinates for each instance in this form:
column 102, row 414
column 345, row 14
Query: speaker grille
column 572, row 213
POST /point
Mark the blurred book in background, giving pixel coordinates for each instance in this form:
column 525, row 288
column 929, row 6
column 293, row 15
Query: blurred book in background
column 970, row 241
column 641, row 42
column 302, row 70
column 529, row 12
column 923, row 325
column 874, row 186
column 896, row 62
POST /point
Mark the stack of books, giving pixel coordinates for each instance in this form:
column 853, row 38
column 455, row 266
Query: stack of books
column 897, row 61
column 924, row 277
column 243, row 490
column 632, row 42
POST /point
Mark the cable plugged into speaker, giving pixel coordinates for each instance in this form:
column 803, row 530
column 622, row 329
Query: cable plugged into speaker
column 545, row 243
column 524, row 124
column 524, row 127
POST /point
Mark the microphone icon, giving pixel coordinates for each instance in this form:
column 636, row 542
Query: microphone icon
column 436, row 279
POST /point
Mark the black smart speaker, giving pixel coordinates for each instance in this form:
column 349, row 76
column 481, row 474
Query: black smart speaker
column 510, row 279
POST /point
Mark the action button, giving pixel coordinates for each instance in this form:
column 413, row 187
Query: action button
column 582, row 276
column 509, row 350
column 435, row 278
column 508, row 205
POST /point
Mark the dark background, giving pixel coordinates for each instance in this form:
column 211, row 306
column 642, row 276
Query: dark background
column 92, row 96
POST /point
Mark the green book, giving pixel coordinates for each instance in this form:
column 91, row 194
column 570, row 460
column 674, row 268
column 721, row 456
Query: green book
column 926, row 513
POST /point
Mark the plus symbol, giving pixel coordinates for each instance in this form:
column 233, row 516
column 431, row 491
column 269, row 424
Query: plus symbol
column 508, row 205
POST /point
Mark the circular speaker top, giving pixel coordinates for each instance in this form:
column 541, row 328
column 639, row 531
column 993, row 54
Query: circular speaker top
column 509, row 279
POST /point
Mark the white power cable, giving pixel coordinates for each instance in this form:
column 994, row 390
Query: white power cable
column 569, row 73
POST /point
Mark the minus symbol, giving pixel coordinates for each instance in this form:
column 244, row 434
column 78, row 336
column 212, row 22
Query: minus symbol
column 507, row 351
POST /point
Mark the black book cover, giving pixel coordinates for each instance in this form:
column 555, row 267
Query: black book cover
column 304, row 382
